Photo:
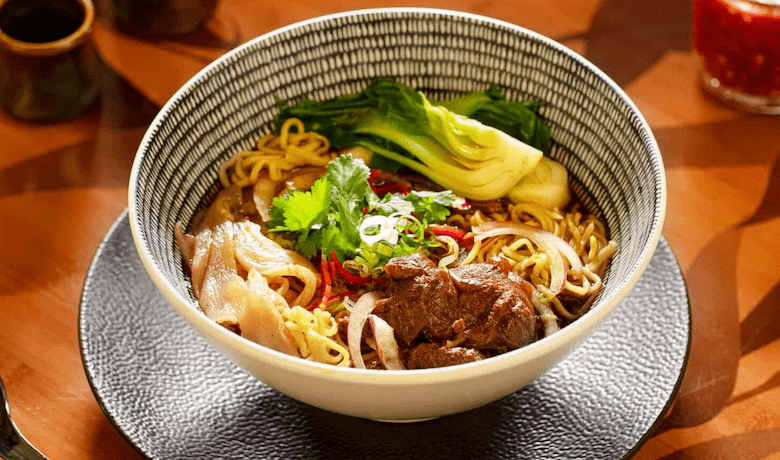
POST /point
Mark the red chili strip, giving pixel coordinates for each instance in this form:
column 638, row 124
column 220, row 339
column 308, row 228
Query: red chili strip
column 327, row 283
column 345, row 274
column 341, row 294
column 448, row 230
column 390, row 188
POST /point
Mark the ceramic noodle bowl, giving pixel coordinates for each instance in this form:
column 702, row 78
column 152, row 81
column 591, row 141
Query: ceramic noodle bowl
column 613, row 161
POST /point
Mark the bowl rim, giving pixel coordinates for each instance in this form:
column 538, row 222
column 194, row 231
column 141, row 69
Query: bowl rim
column 578, row 330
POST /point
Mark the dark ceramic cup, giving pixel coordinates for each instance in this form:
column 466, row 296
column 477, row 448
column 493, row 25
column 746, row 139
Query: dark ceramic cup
column 162, row 18
column 49, row 69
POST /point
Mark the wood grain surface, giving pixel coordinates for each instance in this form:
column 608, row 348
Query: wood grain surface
column 63, row 184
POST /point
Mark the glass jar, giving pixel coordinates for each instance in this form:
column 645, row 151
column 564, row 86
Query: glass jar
column 737, row 49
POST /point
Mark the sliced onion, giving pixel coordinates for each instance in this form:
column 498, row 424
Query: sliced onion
column 348, row 303
column 357, row 319
column 549, row 320
column 552, row 245
column 385, row 224
column 386, row 346
column 453, row 250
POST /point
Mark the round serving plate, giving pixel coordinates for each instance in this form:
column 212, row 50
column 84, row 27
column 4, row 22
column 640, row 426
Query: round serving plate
column 174, row 397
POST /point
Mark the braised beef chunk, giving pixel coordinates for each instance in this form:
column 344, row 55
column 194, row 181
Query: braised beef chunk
column 399, row 268
column 478, row 305
column 497, row 313
column 421, row 299
column 427, row 355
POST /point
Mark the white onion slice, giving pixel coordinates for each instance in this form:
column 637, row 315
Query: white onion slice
column 348, row 303
column 552, row 245
column 387, row 229
column 453, row 250
column 386, row 346
column 357, row 319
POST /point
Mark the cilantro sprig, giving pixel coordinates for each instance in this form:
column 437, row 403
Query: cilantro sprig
column 327, row 218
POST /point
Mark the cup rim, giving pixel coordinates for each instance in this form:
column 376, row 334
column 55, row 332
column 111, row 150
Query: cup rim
column 54, row 47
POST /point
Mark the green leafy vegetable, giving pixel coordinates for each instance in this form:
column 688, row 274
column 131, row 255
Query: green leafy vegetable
column 518, row 119
column 431, row 206
column 328, row 217
column 303, row 213
column 460, row 153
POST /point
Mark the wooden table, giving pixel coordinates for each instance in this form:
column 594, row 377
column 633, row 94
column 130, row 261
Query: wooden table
column 62, row 185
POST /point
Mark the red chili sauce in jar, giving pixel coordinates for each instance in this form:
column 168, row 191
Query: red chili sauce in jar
column 738, row 43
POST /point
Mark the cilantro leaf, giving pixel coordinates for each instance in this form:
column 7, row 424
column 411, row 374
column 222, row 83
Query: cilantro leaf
column 348, row 178
column 309, row 244
column 328, row 217
column 335, row 239
column 431, row 207
column 299, row 211
column 391, row 203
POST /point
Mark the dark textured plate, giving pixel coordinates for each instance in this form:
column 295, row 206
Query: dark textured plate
column 174, row 397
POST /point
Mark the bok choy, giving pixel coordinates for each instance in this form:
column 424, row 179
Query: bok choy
column 450, row 142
